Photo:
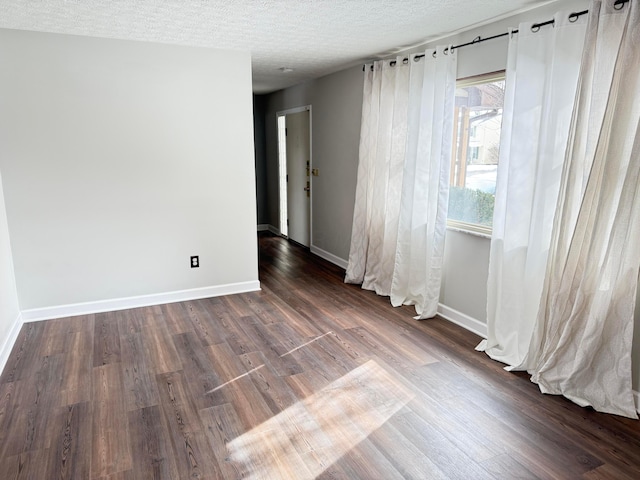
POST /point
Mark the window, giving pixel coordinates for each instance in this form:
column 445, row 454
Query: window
column 474, row 159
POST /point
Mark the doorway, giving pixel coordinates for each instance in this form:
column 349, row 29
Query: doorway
column 295, row 186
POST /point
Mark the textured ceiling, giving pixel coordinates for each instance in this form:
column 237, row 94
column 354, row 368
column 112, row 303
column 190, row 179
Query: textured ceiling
column 312, row 37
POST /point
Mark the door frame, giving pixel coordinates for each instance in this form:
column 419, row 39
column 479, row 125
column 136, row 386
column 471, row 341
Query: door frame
column 284, row 113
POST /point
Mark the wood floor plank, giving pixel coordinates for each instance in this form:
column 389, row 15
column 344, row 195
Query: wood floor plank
column 160, row 347
column 307, row 378
column 131, row 321
column 79, row 323
column 406, row 457
column 106, row 339
column 366, row 461
column 178, row 404
column 315, row 360
column 289, row 315
column 69, row 439
column 26, row 466
column 34, row 402
column 337, row 354
column 172, row 315
column 274, row 390
column 547, row 440
column 204, row 323
column 396, row 335
column 290, row 337
column 25, row 355
column 199, row 369
column 150, row 445
column 229, row 326
column 264, row 453
column 110, row 447
column 55, row 338
column 271, row 346
column 9, row 414
column 505, row 466
column 237, row 387
column 610, row 472
column 140, row 388
column 128, row 475
column 222, row 425
column 305, row 384
column 440, row 450
column 330, row 470
column 539, row 454
column 458, row 424
column 189, row 444
column 76, row 382
column 366, row 340
column 253, row 303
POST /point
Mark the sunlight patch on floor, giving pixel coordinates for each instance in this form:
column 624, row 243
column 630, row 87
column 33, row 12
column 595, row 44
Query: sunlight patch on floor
column 308, row 437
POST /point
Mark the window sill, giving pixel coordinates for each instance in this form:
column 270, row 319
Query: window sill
column 469, row 232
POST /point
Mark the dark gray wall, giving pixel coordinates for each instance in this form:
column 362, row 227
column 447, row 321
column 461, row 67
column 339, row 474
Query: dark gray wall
column 260, row 142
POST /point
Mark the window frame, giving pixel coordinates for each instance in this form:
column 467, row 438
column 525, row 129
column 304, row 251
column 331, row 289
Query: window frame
column 475, row 228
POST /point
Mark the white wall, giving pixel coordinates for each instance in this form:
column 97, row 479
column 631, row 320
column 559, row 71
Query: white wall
column 120, row 160
column 9, row 308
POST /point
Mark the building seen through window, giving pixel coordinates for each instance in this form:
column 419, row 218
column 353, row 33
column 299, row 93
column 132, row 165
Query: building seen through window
column 476, row 147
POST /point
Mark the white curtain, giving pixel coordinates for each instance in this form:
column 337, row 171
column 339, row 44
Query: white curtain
column 541, row 79
column 380, row 170
column 581, row 347
column 402, row 191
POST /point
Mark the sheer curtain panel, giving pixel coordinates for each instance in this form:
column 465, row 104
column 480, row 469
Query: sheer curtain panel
column 541, row 79
column 401, row 196
column 581, row 347
column 422, row 224
column 380, row 169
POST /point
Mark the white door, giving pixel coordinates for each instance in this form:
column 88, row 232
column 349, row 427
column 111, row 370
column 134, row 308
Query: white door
column 299, row 179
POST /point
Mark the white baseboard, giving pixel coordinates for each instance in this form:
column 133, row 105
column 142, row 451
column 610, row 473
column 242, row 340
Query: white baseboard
column 463, row 320
column 636, row 397
column 341, row 262
column 87, row 308
column 10, row 341
column 274, row 230
column 265, row 227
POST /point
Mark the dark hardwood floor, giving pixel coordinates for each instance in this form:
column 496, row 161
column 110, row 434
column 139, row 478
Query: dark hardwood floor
column 309, row 378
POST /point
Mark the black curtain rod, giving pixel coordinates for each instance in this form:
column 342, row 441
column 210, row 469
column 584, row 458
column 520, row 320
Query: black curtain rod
column 618, row 5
